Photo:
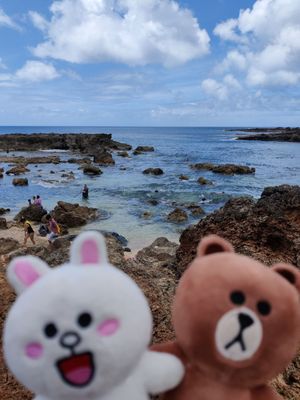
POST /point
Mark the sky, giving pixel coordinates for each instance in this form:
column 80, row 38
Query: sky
column 150, row 62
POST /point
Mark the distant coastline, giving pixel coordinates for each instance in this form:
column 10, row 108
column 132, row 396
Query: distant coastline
column 270, row 134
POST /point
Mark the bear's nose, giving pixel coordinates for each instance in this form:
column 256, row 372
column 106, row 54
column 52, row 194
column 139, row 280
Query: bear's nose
column 245, row 320
column 70, row 340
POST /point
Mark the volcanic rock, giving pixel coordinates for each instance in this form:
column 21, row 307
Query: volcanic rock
column 20, row 182
column 32, row 213
column 153, row 171
column 144, row 149
column 91, row 170
column 7, row 245
column 226, row 169
column 3, row 223
column 84, row 143
column 177, row 215
column 103, row 158
column 4, row 210
column 123, row 154
column 204, row 181
column 268, row 230
column 184, row 178
column 73, row 215
column 18, row 170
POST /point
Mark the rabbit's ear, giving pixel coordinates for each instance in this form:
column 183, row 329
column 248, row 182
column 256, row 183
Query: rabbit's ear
column 88, row 249
column 23, row 272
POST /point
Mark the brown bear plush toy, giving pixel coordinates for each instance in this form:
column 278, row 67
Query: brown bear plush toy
column 237, row 325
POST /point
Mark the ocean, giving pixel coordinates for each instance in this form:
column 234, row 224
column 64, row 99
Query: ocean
column 122, row 192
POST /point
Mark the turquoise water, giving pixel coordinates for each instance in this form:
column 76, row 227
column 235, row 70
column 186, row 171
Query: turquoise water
column 123, row 194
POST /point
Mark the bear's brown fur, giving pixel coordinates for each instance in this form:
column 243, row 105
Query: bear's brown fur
column 237, row 324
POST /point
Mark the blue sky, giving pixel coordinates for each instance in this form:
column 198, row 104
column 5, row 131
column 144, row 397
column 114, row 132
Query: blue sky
column 150, row 62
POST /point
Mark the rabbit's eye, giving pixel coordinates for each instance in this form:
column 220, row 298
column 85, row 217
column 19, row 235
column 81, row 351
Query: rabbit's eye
column 84, row 320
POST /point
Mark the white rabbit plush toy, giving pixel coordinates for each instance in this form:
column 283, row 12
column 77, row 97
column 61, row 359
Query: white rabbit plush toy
column 81, row 331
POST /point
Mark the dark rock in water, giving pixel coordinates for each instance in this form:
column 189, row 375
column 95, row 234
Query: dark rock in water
column 144, row 149
column 91, row 170
column 84, row 143
column 153, row 202
column 146, row 215
column 1, row 170
column 153, row 171
column 268, row 230
column 177, row 215
column 85, row 160
column 196, row 211
column 18, row 170
column 1, row 175
column 184, row 178
column 52, row 172
column 32, row 213
column 103, row 157
column 7, row 245
column 122, row 168
column 226, row 169
column 30, row 160
column 3, row 223
column 123, row 154
column 204, row 181
column 73, row 215
column 4, row 210
column 20, row 182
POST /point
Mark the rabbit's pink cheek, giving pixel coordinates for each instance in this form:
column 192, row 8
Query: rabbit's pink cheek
column 34, row 350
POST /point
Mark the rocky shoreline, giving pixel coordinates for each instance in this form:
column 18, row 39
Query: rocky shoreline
column 76, row 142
column 271, row 134
column 268, row 230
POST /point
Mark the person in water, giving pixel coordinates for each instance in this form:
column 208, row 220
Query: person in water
column 28, row 231
column 53, row 228
column 85, row 192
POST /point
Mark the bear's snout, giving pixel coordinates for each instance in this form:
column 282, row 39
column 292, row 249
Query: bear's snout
column 238, row 334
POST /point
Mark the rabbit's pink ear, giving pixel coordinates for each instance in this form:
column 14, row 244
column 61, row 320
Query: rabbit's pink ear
column 88, row 249
column 23, row 272
column 213, row 244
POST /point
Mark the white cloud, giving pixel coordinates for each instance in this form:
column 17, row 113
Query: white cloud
column 6, row 21
column 267, row 36
column 32, row 71
column 234, row 60
column 36, row 71
column 221, row 90
column 226, row 31
column 133, row 32
column 2, row 65
column 215, row 89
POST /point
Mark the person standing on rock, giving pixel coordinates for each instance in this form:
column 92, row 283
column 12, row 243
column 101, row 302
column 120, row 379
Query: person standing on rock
column 38, row 201
column 28, row 230
column 53, row 228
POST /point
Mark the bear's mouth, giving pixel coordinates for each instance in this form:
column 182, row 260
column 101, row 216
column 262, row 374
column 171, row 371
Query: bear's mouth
column 77, row 370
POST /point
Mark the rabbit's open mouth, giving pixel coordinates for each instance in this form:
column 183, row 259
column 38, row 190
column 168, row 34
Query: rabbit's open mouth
column 77, row 370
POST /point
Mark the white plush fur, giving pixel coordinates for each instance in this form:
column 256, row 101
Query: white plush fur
column 124, row 368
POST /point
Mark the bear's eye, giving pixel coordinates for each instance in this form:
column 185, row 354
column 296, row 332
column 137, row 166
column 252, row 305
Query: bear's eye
column 50, row 330
column 237, row 297
column 84, row 320
column 264, row 307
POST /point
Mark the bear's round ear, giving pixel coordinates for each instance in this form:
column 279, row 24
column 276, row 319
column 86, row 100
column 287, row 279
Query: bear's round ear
column 288, row 272
column 213, row 244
